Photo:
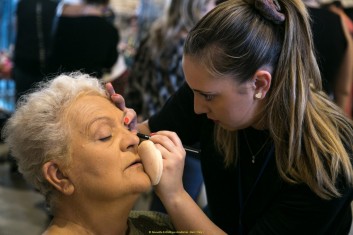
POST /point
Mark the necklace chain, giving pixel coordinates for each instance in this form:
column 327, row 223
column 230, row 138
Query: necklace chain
column 253, row 156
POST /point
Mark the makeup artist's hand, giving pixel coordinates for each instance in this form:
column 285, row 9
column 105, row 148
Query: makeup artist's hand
column 130, row 118
column 183, row 211
column 173, row 154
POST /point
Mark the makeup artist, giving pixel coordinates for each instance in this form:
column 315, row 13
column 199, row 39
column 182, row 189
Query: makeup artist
column 275, row 151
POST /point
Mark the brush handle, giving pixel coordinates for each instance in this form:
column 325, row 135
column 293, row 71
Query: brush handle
column 187, row 148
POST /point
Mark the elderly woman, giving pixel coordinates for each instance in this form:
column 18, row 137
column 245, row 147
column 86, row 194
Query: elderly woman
column 71, row 143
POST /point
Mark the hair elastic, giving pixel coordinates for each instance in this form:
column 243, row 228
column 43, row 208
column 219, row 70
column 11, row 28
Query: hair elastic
column 270, row 9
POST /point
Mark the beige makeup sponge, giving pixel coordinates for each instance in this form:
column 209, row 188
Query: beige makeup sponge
column 152, row 160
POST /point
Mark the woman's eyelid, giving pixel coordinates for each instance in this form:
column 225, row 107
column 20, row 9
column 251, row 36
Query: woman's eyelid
column 103, row 132
column 208, row 96
column 104, row 139
column 106, row 136
column 103, row 128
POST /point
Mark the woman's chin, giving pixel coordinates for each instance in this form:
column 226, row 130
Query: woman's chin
column 145, row 183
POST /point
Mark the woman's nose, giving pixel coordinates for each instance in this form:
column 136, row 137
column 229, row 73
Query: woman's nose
column 199, row 106
column 129, row 140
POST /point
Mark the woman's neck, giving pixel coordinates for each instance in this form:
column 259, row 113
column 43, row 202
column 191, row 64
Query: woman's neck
column 83, row 10
column 64, row 225
column 87, row 217
column 93, row 9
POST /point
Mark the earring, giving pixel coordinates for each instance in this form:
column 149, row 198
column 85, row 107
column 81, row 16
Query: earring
column 258, row 95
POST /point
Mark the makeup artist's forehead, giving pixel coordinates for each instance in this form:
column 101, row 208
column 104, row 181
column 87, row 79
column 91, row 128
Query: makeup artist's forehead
column 86, row 109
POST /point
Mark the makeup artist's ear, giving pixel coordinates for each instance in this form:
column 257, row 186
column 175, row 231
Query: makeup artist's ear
column 52, row 173
column 262, row 83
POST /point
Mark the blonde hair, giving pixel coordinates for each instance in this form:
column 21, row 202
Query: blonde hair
column 310, row 133
column 38, row 131
column 179, row 16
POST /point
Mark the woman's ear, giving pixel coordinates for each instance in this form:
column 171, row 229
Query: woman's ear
column 52, row 173
column 262, row 82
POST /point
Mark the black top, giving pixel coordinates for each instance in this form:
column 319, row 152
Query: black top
column 330, row 44
column 269, row 205
column 87, row 43
column 33, row 18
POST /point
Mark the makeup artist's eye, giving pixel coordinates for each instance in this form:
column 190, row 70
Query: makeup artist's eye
column 208, row 97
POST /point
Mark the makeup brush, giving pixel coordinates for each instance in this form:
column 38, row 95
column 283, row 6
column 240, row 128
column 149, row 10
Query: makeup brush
column 187, row 148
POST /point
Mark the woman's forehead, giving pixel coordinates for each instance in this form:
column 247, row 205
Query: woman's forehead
column 88, row 108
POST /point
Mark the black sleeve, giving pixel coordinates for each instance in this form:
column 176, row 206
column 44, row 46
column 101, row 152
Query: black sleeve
column 178, row 115
column 306, row 213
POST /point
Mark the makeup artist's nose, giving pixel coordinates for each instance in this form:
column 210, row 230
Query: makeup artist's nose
column 200, row 106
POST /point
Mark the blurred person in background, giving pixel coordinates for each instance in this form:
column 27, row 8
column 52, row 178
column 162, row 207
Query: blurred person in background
column 84, row 39
column 33, row 32
column 346, row 68
column 334, row 50
column 147, row 12
column 156, row 71
column 33, row 23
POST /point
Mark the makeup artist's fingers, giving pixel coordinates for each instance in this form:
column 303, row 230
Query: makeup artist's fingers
column 117, row 99
column 109, row 88
column 130, row 118
column 169, row 140
column 173, row 155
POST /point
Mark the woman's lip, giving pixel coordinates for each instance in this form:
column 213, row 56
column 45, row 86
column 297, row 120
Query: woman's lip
column 135, row 163
column 215, row 121
column 134, row 166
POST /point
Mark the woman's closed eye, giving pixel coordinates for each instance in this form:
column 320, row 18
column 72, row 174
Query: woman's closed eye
column 106, row 138
column 104, row 134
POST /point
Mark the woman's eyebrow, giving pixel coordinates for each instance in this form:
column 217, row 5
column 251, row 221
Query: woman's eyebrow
column 98, row 119
column 94, row 120
column 197, row 91
column 202, row 92
column 102, row 117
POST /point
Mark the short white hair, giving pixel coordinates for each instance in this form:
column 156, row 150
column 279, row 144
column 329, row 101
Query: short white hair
column 38, row 132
